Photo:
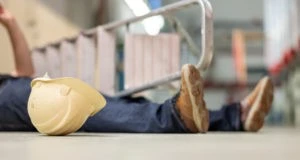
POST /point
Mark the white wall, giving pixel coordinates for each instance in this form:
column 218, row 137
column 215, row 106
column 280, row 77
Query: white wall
column 118, row 10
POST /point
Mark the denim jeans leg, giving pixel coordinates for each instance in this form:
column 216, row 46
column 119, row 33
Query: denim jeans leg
column 136, row 115
column 228, row 118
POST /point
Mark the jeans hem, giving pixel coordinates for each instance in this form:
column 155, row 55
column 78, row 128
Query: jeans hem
column 176, row 114
column 239, row 124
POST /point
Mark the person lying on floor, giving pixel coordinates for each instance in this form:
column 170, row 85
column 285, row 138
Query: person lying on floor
column 186, row 112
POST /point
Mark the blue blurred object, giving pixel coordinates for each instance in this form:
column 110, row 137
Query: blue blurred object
column 154, row 4
column 120, row 73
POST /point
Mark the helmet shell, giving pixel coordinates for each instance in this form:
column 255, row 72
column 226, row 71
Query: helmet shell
column 61, row 106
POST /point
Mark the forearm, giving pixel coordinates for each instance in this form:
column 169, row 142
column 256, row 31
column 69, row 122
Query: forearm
column 22, row 56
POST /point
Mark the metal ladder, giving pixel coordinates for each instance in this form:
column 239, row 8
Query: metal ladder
column 80, row 56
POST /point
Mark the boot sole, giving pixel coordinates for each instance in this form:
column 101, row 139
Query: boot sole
column 261, row 106
column 194, row 86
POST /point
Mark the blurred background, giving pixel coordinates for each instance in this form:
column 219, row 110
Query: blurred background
column 251, row 39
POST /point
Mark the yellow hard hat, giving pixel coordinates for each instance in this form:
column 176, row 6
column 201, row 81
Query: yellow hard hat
column 61, row 106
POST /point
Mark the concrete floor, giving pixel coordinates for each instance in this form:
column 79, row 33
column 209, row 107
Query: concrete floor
column 270, row 143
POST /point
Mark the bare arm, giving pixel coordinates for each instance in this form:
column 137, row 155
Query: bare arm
column 22, row 57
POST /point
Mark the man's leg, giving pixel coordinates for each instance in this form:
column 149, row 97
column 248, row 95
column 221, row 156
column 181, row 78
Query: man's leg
column 249, row 114
column 185, row 112
column 136, row 115
column 120, row 115
column 228, row 118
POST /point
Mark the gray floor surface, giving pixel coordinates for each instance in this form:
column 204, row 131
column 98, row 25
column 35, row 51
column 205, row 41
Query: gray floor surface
column 270, row 143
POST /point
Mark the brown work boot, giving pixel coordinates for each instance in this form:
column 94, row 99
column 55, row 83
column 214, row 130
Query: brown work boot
column 190, row 103
column 257, row 105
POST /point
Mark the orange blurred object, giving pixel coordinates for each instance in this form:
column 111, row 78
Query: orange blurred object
column 239, row 54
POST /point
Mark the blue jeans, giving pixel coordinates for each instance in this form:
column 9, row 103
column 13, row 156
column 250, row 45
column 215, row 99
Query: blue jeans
column 133, row 115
